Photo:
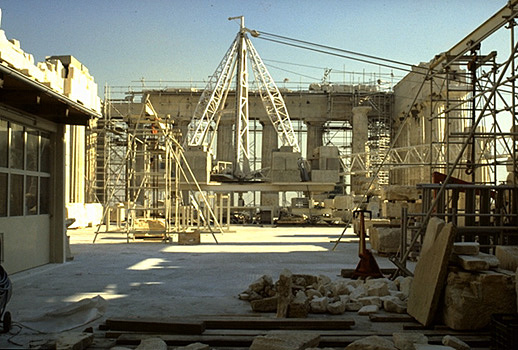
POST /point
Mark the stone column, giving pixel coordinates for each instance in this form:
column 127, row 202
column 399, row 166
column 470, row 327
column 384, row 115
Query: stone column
column 360, row 138
column 269, row 143
column 314, row 136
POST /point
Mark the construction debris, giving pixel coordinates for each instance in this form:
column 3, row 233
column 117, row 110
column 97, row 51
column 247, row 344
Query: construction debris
column 285, row 341
column 372, row 343
column 318, row 295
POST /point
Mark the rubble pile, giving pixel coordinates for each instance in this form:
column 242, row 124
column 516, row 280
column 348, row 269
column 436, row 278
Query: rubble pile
column 320, row 294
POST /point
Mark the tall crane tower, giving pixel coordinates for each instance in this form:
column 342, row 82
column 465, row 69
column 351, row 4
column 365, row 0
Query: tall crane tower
column 207, row 114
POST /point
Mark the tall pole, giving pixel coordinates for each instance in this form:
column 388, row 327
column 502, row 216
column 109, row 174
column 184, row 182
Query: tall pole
column 241, row 163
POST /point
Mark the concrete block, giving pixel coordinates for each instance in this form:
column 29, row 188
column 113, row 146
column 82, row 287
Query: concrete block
column 399, row 193
column 385, row 239
column 277, row 340
column 292, row 160
column 325, row 176
column 326, row 152
column 466, row 248
column 430, row 273
column 508, row 256
column 278, row 161
column 470, row 298
column 189, row 238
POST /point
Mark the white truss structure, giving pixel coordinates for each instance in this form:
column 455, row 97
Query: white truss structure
column 207, row 114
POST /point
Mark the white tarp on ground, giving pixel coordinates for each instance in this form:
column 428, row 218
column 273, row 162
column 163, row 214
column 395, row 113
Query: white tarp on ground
column 69, row 317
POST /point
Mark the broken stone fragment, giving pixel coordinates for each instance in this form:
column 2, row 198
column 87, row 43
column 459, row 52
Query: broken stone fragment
column 339, row 287
column 407, row 341
column 358, row 292
column 399, row 295
column 313, row 293
column 276, row 340
column 323, row 280
column 265, row 304
column 336, row 308
column 455, row 343
column 284, row 293
column 379, row 288
column 508, row 256
column 74, row 340
column 194, row 346
column 373, row 300
column 152, row 344
column 299, row 307
column 394, row 305
column 405, row 284
column 244, row 296
column 368, row 309
column 373, row 342
column 319, row 305
column 304, row 280
column 353, row 306
column 259, row 284
column 254, row 296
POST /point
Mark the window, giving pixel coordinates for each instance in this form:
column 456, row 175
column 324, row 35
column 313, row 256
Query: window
column 24, row 170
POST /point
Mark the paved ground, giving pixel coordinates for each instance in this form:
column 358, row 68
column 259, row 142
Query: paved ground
column 154, row 279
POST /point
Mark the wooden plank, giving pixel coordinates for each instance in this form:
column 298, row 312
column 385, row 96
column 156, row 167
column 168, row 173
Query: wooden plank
column 391, row 318
column 174, row 326
column 277, row 323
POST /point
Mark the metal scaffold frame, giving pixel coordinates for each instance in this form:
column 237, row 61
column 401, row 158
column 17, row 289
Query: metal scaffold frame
column 146, row 187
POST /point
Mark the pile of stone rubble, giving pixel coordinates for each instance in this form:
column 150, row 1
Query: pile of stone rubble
column 320, row 294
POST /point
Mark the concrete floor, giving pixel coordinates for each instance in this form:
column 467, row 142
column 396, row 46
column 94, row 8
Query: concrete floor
column 154, row 279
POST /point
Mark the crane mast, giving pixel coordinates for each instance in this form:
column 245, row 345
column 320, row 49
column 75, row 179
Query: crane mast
column 207, row 114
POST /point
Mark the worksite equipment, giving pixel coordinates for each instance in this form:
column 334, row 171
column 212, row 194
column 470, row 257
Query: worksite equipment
column 367, row 267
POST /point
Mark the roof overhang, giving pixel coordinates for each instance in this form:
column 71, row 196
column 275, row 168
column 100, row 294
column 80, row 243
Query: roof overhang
column 22, row 93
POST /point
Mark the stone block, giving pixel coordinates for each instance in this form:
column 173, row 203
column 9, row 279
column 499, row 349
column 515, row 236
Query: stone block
column 285, row 176
column 74, row 341
column 399, row 193
column 299, row 307
column 405, row 285
column 392, row 209
column 343, row 202
column 471, row 298
column 466, row 248
column 385, row 239
column 434, row 227
column 326, row 152
column 189, row 238
column 368, row 309
column 471, row 263
column 407, row 341
column 265, row 304
column 508, row 256
column 292, row 160
column 278, row 161
column 490, row 258
column 378, row 288
column 275, row 340
column 194, row 346
column 152, row 344
column 333, row 164
column 430, row 273
column 325, row 176
column 455, row 343
column 372, row 342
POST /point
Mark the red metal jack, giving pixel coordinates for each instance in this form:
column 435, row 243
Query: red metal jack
column 367, row 267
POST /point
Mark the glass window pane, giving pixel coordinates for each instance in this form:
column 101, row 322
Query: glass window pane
column 3, row 194
column 16, row 154
column 4, row 139
column 16, row 196
column 44, row 195
column 31, row 195
column 45, row 153
column 32, row 150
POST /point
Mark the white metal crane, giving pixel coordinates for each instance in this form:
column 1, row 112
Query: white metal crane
column 208, row 111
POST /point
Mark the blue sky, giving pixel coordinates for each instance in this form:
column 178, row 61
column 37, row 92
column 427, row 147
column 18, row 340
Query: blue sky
column 122, row 41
